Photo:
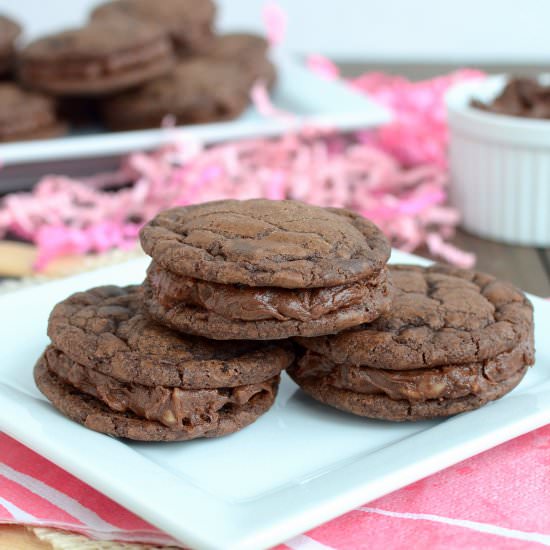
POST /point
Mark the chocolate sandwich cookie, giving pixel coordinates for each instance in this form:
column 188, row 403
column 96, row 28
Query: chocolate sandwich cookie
column 9, row 32
column 27, row 115
column 114, row 370
column 105, row 56
column 188, row 22
column 250, row 51
column 197, row 91
column 452, row 341
column 261, row 269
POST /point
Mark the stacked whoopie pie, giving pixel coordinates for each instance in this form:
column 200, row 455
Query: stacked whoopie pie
column 452, row 341
column 261, row 270
column 285, row 285
column 114, row 370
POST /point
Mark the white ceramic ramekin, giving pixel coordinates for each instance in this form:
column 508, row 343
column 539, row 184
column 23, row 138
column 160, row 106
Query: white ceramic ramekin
column 500, row 167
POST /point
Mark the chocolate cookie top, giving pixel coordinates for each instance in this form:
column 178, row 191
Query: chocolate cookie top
column 188, row 22
column 249, row 51
column 9, row 31
column 104, row 56
column 104, row 329
column 238, row 46
column 98, row 39
column 439, row 316
column 198, row 90
column 266, row 243
column 24, row 114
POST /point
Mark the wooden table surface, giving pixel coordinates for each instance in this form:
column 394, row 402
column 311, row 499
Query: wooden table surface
column 526, row 267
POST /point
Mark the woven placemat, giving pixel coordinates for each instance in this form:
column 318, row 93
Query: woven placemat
column 63, row 540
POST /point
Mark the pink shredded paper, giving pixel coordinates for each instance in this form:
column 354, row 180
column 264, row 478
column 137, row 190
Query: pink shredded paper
column 64, row 216
column 394, row 175
column 275, row 21
column 418, row 133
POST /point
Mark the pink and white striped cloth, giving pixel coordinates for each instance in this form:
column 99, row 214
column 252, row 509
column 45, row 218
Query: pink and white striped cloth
column 497, row 500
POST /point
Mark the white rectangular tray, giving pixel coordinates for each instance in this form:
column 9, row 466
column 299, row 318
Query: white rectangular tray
column 314, row 100
column 299, row 465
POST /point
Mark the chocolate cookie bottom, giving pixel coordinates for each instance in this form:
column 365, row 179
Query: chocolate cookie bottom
column 43, row 132
column 383, row 407
column 96, row 415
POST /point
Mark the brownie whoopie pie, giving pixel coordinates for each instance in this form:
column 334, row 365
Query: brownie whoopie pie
column 197, row 91
column 105, row 56
column 9, row 32
column 114, row 370
column 188, row 22
column 261, row 269
column 27, row 115
column 250, row 51
column 452, row 341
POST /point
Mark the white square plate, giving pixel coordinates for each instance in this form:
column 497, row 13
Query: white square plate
column 299, row 465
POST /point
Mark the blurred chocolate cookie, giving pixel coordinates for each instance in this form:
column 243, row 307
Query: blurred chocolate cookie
column 196, row 91
column 9, row 32
column 250, row 51
column 27, row 115
column 105, row 56
column 188, row 22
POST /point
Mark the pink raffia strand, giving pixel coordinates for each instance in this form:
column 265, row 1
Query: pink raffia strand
column 275, row 23
column 68, row 216
column 322, row 66
column 259, row 96
column 451, row 254
column 418, row 133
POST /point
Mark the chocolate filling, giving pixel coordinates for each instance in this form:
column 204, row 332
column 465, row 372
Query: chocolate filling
column 449, row 382
column 523, row 97
column 173, row 407
column 257, row 303
column 93, row 68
